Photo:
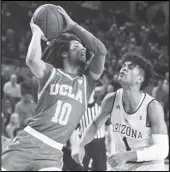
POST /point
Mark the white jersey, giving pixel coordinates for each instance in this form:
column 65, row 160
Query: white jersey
column 130, row 131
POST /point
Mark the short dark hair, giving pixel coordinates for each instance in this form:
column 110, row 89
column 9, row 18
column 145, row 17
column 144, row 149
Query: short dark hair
column 143, row 63
column 53, row 52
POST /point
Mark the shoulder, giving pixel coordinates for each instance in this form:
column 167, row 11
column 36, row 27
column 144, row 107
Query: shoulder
column 6, row 84
column 108, row 101
column 155, row 105
column 155, row 110
column 109, row 97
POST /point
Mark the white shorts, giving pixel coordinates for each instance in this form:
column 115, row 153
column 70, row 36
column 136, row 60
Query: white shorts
column 144, row 166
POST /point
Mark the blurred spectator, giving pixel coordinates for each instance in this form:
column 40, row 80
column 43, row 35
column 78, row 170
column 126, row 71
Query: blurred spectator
column 167, row 76
column 4, row 78
column 159, row 18
column 7, row 109
column 3, row 125
column 160, row 91
column 25, row 108
column 11, row 88
column 13, row 125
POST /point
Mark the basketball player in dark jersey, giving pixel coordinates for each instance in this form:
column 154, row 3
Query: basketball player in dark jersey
column 62, row 98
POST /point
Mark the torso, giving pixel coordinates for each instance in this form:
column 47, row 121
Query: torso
column 61, row 105
column 130, row 131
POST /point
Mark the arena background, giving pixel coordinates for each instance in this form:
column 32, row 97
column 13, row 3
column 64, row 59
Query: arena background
column 121, row 25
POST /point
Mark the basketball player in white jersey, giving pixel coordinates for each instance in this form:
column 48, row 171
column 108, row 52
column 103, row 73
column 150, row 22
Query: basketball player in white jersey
column 139, row 130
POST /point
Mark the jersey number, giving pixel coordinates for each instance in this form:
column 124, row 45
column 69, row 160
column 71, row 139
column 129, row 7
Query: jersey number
column 62, row 113
column 126, row 144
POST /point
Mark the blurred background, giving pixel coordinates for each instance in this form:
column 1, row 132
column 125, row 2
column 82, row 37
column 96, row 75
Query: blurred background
column 122, row 26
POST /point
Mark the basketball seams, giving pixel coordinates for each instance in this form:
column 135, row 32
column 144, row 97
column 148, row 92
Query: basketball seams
column 53, row 25
column 57, row 20
column 37, row 15
column 46, row 23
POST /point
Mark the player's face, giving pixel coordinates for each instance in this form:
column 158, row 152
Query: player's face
column 77, row 53
column 130, row 74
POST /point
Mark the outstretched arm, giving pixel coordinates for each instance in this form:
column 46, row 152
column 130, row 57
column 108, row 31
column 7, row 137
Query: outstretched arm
column 91, row 42
column 99, row 121
column 89, row 134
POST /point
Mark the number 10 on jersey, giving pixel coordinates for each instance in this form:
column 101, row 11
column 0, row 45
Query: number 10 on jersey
column 62, row 113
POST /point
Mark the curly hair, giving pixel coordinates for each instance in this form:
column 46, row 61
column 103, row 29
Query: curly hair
column 143, row 63
column 53, row 52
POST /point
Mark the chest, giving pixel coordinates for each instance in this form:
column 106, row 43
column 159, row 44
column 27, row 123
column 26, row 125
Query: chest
column 68, row 88
column 137, row 120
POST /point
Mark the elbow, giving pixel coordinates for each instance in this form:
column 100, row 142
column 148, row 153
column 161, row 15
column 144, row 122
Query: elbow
column 30, row 61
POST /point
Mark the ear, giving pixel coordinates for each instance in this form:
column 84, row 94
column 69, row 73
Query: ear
column 140, row 79
column 64, row 55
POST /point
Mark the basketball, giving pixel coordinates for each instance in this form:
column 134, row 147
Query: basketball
column 49, row 20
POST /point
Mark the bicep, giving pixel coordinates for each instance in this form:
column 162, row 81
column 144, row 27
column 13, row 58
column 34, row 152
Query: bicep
column 37, row 67
column 156, row 118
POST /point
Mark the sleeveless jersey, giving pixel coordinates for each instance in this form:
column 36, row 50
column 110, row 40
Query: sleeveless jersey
column 130, row 131
column 62, row 101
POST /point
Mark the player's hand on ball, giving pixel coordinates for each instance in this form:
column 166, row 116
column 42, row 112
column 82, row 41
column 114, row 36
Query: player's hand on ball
column 77, row 153
column 117, row 159
column 36, row 30
column 69, row 22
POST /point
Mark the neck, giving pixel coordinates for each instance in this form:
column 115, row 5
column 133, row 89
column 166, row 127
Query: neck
column 72, row 69
column 131, row 96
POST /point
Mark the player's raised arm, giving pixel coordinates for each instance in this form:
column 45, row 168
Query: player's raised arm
column 33, row 59
column 89, row 134
column 90, row 42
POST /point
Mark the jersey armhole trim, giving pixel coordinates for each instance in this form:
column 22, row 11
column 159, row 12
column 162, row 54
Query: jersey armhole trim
column 147, row 118
column 48, row 81
column 114, row 98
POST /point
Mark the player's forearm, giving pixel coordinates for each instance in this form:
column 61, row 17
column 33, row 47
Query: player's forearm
column 89, row 40
column 88, row 135
column 34, row 50
column 158, row 151
column 74, row 139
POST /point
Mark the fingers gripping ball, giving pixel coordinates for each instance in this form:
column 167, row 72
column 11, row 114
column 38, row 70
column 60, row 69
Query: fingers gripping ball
column 49, row 20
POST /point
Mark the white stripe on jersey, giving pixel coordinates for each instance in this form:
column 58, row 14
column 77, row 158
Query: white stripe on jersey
column 48, row 81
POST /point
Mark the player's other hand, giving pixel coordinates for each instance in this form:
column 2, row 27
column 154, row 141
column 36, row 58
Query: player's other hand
column 117, row 159
column 69, row 22
column 36, row 30
column 77, row 153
